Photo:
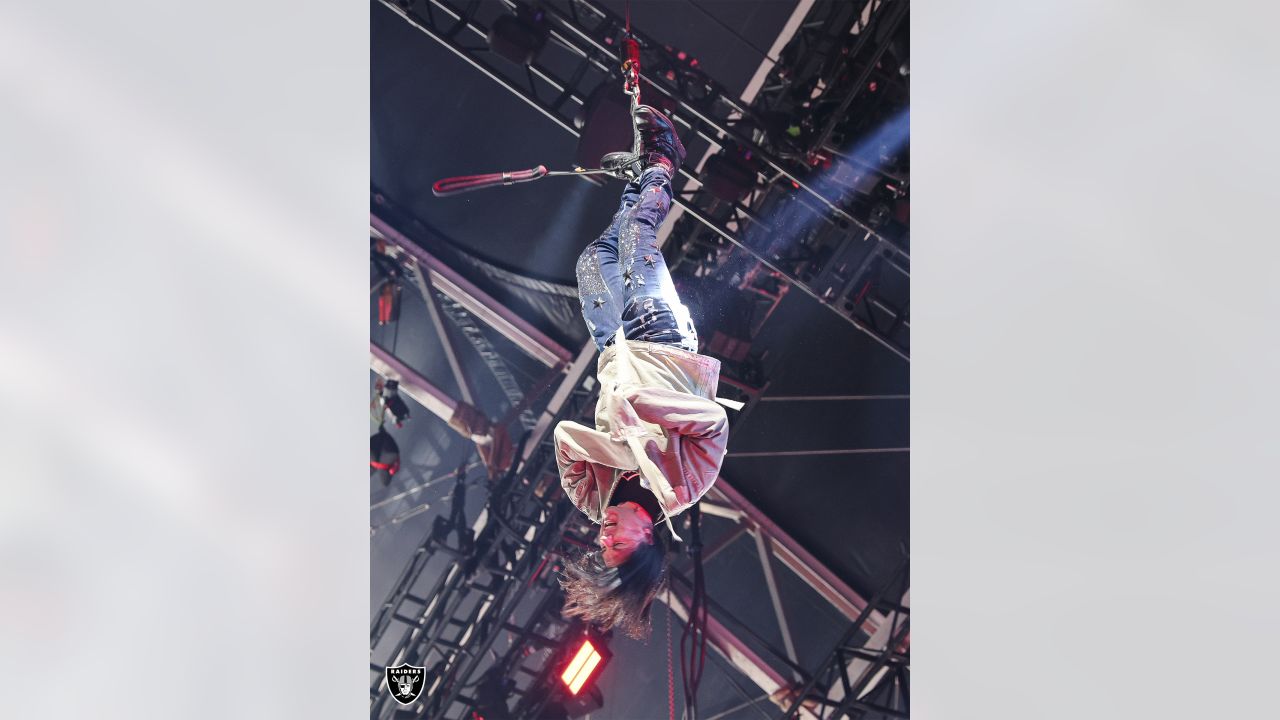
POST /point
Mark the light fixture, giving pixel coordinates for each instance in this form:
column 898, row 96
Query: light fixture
column 520, row 37
column 582, row 667
column 384, row 456
column 587, row 654
column 392, row 403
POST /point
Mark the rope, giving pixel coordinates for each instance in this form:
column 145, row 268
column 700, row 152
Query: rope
column 671, row 678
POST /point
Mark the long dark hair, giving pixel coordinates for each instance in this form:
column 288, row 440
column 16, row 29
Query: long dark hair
column 620, row 597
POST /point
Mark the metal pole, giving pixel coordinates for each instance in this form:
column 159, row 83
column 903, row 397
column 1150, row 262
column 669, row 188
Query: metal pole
column 437, row 401
column 446, row 341
column 814, row 398
column 766, row 565
column 748, row 96
column 896, row 11
column 519, row 331
column 572, row 379
column 801, row 561
column 799, row 453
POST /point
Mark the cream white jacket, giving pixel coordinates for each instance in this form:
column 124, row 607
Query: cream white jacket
column 656, row 414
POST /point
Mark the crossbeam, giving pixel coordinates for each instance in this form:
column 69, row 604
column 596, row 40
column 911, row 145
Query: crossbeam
column 799, row 560
column 519, row 331
column 835, row 451
column 412, row 383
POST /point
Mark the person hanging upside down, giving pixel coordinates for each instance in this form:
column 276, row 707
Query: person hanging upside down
column 659, row 436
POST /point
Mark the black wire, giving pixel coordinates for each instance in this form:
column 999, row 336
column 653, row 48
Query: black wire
column 693, row 639
column 764, row 54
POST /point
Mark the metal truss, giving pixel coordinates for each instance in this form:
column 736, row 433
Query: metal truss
column 446, row 293
column 881, row 24
column 814, row 52
column 867, row 677
column 819, row 61
column 450, row 625
column 497, row 366
column 776, row 671
column 449, row 282
column 584, row 34
column 423, row 391
column 440, row 305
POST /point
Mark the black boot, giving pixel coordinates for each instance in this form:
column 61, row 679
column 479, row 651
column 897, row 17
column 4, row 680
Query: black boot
column 659, row 145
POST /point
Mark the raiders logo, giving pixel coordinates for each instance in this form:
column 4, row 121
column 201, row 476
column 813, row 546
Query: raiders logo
column 405, row 682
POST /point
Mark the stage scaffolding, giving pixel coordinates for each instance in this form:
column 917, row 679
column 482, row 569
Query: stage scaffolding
column 499, row 581
column 584, row 38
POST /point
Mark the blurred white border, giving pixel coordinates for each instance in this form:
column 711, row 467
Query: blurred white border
column 1094, row 339
column 183, row 360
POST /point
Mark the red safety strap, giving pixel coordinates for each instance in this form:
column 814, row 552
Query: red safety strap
column 466, row 183
column 392, row 468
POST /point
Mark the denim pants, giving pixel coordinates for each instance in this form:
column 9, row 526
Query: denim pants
column 622, row 278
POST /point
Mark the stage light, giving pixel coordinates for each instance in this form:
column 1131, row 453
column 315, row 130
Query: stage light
column 393, row 404
column 580, row 668
column 585, row 665
column 520, row 37
column 384, row 456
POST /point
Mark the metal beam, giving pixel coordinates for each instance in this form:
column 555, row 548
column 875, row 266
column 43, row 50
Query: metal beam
column 798, row 453
column 435, row 479
column 735, row 651
column 801, row 561
column 877, row 643
column 853, row 667
column 896, row 11
column 573, row 377
column 423, row 281
column 519, row 331
column 725, row 541
column 814, row 398
column 710, row 508
column 412, row 384
column 766, row 565
column 748, row 96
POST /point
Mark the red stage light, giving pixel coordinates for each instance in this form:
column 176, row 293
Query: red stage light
column 582, row 667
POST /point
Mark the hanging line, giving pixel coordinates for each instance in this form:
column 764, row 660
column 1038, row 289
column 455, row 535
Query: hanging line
column 671, row 678
column 631, row 76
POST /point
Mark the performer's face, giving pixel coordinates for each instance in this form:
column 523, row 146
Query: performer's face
column 625, row 528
